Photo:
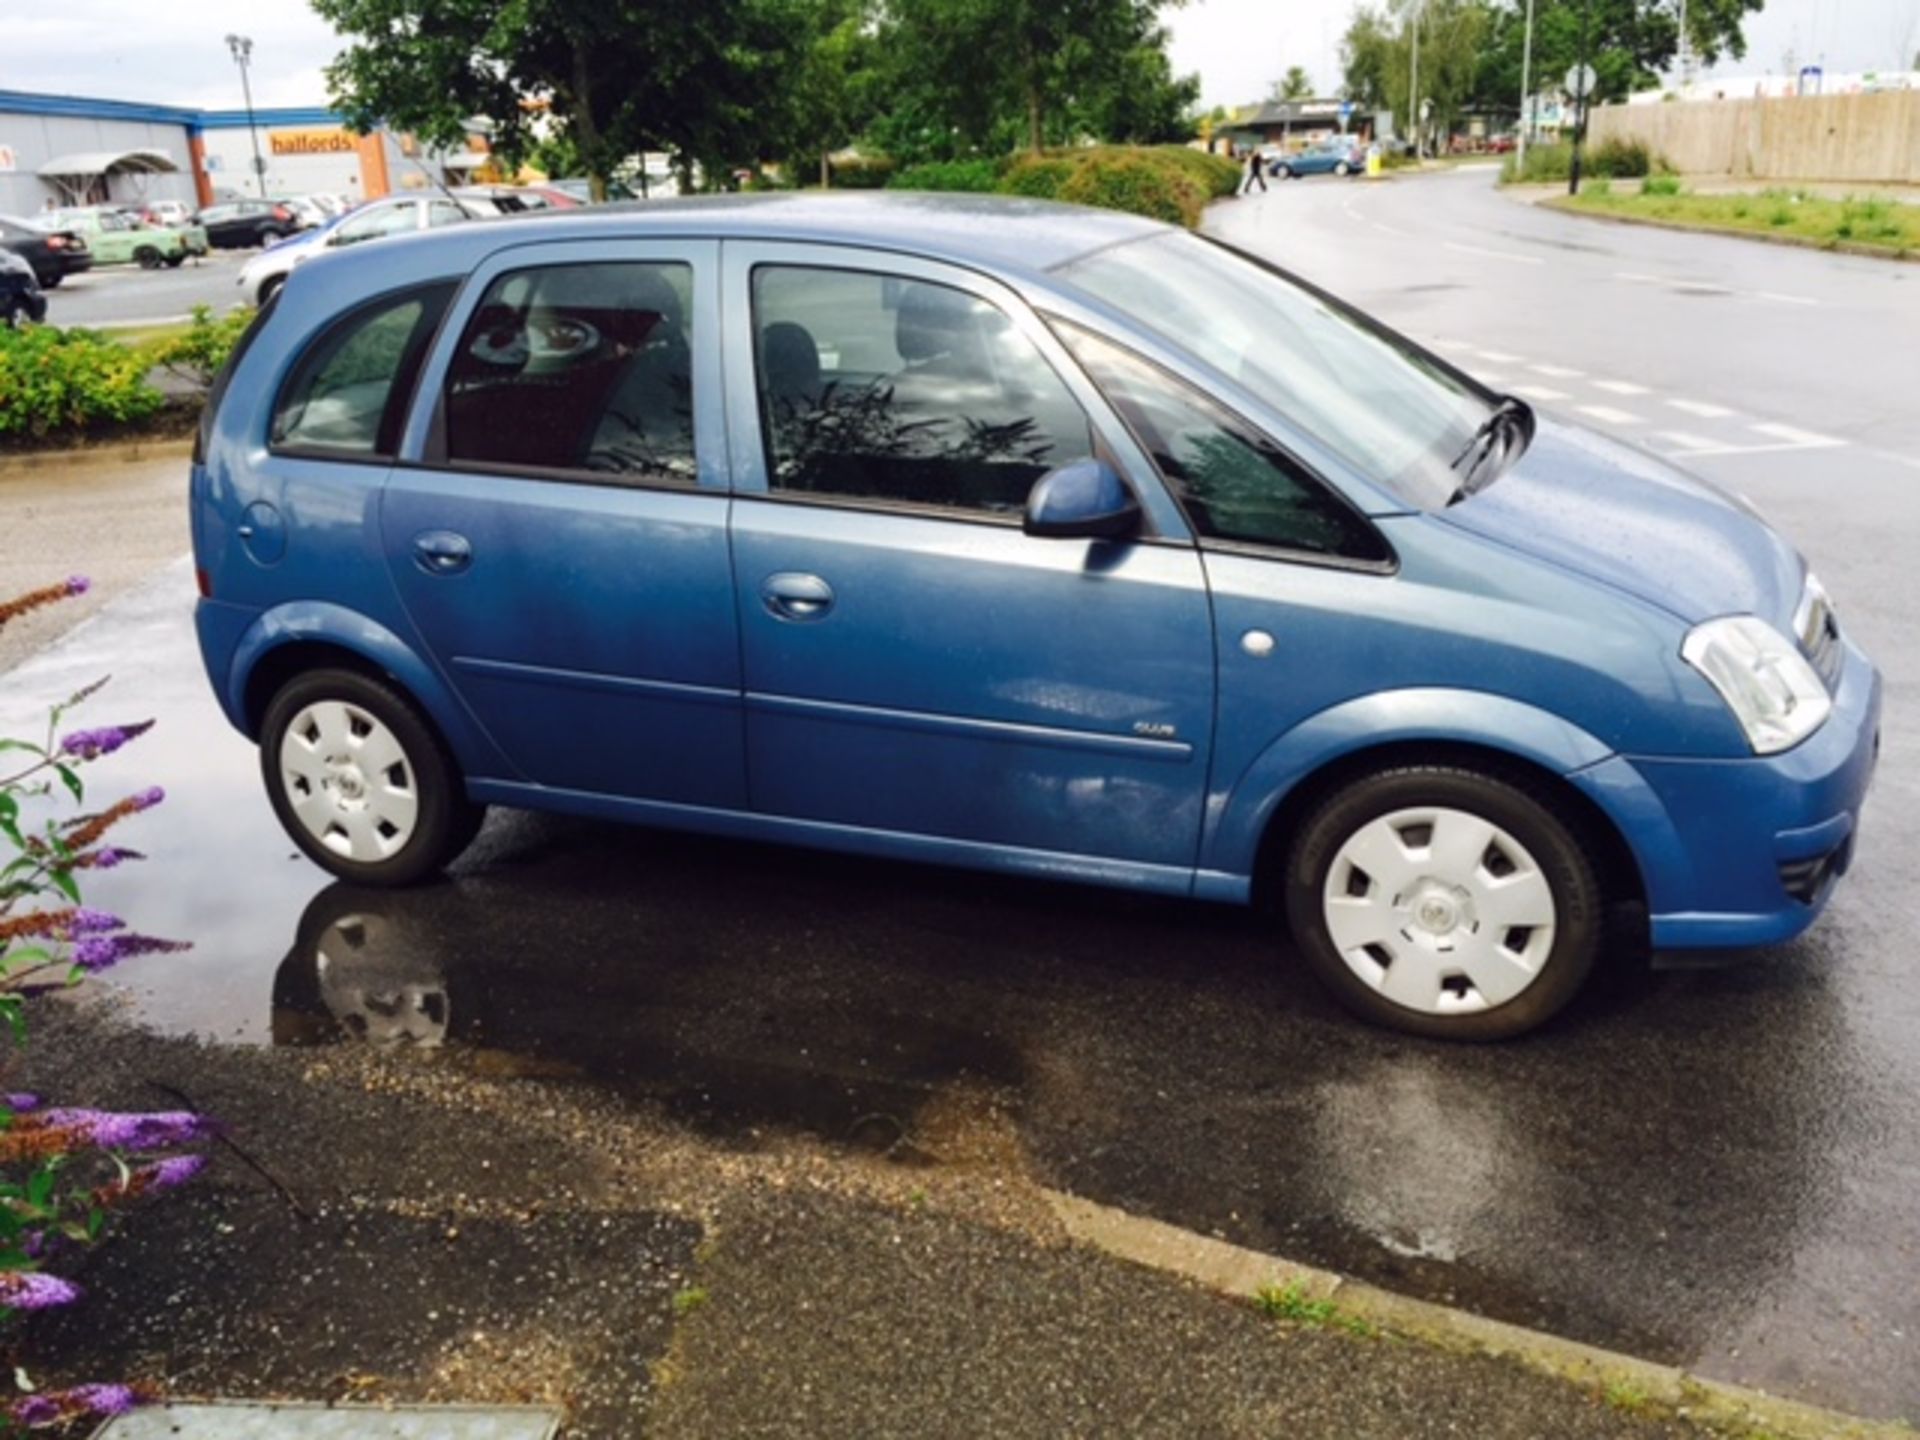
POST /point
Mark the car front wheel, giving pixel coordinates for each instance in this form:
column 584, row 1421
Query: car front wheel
column 360, row 780
column 1444, row 902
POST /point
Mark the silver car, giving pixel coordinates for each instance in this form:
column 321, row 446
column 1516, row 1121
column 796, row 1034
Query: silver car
column 263, row 275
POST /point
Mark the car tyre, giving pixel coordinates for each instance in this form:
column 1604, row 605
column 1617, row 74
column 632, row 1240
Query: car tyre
column 148, row 257
column 1492, row 943
column 1343, row 169
column 174, row 261
column 269, row 287
column 51, row 282
column 1283, row 172
column 361, row 781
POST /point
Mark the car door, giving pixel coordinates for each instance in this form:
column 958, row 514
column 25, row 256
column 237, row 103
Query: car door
column 560, row 541
column 916, row 666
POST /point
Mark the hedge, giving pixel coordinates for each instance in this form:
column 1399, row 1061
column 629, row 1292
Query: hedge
column 1166, row 182
column 59, row 380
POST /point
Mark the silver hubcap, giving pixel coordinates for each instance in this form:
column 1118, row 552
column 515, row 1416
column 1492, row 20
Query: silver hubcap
column 349, row 781
column 1439, row 910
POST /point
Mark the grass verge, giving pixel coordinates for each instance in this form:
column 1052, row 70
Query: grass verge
column 1875, row 226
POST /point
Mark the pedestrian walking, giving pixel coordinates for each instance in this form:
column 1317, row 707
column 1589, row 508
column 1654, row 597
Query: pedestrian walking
column 1256, row 173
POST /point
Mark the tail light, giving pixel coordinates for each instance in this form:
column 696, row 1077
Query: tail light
column 56, row 242
column 280, row 212
column 203, row 582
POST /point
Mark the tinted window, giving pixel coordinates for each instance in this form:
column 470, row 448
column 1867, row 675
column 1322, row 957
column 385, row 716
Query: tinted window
column 578, row 368
column 348, row 393
column 883, row 388
column 1234, row 483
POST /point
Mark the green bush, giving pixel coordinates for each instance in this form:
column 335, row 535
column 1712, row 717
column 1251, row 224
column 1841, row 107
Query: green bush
column 1038, row 177
column 1661, row 185
column 977, row 176
column 863, row 172
column 1619, row 159
column 202, row 352
column 1543, row 163
column 1138, row 185
column 1218, row 176
column 59, row 380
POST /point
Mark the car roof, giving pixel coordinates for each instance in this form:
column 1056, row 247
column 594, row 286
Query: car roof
column 1005, row 233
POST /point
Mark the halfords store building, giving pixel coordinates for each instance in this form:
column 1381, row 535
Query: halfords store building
column 70, row 150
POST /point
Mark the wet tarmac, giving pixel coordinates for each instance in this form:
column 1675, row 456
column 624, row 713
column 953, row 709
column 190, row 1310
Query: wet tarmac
column 1716, row 1167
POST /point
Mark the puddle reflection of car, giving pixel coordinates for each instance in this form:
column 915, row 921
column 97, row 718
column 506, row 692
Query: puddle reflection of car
column 1014, row 536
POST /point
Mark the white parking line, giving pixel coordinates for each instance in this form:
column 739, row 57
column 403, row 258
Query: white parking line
column 1558, row 372
column 1689, row 444
column 1794, row 436
column 1500, row 357
column 1703, row 409
column 1784, row 299
column 1610, row 415
column 1539, row 392
column 1494, row 254
column 1620, row 387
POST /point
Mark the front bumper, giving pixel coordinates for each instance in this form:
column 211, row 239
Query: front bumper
column 1747, row 852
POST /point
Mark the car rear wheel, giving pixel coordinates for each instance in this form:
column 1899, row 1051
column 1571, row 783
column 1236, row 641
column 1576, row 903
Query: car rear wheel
column 147, row 257
column 51, row 282
column 1343, row 168
column 360, row 780
column 1444, row 902
column 174, row 260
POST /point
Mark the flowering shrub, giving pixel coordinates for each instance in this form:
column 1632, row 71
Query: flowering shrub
column 201, row 352
column 64, row 1171
column 54, row 380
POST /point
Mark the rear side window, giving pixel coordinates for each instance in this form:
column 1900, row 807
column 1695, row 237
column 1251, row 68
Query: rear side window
column 580, row 369
column 1234, row 483
column 347, row 396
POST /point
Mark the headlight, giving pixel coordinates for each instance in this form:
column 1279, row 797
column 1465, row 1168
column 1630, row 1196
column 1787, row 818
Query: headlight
column 1765, row 680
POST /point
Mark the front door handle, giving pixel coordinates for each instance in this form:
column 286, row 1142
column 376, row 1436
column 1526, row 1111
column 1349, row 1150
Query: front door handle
column 441, row 552
column 792, row 596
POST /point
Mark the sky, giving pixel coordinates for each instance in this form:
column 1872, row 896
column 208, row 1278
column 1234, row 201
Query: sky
column 174, row 53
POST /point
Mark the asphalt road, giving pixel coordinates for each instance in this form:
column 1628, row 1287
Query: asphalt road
column 1718, row 1167
column 127, row 295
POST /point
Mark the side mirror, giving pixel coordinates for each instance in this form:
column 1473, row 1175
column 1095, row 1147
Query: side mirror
column 1082, row 501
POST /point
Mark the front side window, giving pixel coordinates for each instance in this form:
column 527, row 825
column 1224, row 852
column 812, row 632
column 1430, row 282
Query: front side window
column 1234, row 483
column 898, row 391
column 388, row 220
column 348, row 393
column 1384, row 407
column 584, row 368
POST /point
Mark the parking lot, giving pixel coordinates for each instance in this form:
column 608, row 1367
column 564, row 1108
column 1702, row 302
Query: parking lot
column 1715, row 1166
column 125, row 295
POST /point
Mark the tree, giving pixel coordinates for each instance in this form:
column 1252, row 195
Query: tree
column 1297, row 85
column 1367, row 52
column 835, row 91
column 1630, row 42
column 618, row 76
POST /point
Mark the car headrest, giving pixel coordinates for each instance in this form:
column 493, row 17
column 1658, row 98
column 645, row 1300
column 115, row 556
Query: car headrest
column 789, row 360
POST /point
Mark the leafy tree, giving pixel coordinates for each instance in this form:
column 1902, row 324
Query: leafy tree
column 836, row 89
column 1630, row 42
column 1297, row 85
column 620, row 76
column 1367, row 52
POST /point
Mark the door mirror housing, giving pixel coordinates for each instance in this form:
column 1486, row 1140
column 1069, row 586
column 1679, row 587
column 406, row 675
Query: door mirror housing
column 1086, row 500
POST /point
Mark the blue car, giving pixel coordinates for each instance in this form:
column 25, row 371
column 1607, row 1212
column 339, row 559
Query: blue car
column 1341, row 157
column 1003, row 534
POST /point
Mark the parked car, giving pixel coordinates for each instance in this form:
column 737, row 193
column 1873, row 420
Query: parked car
column 503, row 199
column 556, row 198
column 303, row 210
column 329, row 204
column 1339, row 158
column 160, row 212
column 117, row 238
column 20, row 295
column 582, row 190
column 1025, row 537
column 54, row 255
column 239, row 224
column 263, row 275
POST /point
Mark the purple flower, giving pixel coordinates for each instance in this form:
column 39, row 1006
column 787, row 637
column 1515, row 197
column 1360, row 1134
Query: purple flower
column 20, row 1102
column 99, row 1401
column 166, row 1174
column 106, row 858
column 78, row 585
column 147, row 799
column 31, row 1290
column 88, row 921
column 156, row 1130
column 101, row 952
column 92, row 744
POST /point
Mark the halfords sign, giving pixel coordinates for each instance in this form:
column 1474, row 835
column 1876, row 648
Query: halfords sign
column 313, row 142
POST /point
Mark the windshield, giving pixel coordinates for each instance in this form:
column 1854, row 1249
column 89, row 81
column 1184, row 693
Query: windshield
column 1393, row 414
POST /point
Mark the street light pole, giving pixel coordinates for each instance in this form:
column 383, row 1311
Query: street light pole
column 1526, row 90
column 242, row 50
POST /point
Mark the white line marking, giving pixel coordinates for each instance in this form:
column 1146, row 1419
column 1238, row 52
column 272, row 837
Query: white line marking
column 1744, row 450
column 1389, row 229
column 1689, row 443
column 1610, row 415
column 1620, row 387
column 1494, row 254
column 1794, row 436
column 1784, row 299
column 1500, row 357
column 1539, row 392
column 1702, row 409
column 1558, row 372
column 1640, row 279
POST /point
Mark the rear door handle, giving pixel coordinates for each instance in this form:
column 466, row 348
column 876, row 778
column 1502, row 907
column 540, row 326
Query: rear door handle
column 441, row 552
column 793, row 596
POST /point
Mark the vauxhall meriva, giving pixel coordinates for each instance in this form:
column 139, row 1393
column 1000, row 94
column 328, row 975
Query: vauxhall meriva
column 1018, row 536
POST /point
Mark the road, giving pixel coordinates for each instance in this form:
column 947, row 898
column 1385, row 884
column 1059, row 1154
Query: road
column 1718, row 1167
column 127, row 295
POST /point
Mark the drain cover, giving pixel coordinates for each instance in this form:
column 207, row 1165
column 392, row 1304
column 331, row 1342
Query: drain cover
column 222, row 1420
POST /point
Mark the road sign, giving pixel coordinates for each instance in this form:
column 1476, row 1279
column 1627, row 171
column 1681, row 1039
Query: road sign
column 1581, row 80
column 1346, row 109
